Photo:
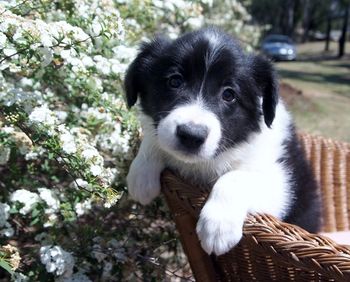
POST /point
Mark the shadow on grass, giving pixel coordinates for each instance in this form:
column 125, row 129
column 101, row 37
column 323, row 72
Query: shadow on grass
column 322, row 56
column 316, row 58
column 340, row 64
column 316, row 77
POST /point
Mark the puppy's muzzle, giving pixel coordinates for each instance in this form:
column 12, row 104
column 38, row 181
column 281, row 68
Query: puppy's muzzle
column 191, row 136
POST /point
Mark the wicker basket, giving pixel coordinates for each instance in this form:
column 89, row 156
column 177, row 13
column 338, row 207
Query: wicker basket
column 270, row 249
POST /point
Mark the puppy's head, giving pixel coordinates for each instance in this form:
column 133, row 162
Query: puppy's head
column 202, row 93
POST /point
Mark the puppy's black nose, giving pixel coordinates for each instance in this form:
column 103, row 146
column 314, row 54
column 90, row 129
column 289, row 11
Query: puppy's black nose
column 191, row 135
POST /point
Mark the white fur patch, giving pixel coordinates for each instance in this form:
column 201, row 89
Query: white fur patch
column 143, row 179
column 212, row 38
column 190, row 113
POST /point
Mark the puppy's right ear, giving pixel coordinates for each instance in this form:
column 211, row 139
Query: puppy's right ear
column 134, row 82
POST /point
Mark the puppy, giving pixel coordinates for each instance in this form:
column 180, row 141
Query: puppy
column 212, row 114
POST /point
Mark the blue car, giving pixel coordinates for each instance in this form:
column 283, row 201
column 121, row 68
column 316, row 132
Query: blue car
column 279, row 47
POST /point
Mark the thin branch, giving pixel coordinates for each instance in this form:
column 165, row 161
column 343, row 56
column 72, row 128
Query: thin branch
column 167, row 271
column 16, row 6
column 25, row 131
column 53, row 46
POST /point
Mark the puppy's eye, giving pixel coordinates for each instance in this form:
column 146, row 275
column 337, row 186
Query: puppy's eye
column 175, row 81
column 229, row 95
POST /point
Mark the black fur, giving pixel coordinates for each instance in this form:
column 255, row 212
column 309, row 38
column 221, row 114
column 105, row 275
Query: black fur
column 305, row 210
column 207, row 69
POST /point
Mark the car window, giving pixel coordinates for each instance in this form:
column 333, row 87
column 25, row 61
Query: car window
column 276, row 39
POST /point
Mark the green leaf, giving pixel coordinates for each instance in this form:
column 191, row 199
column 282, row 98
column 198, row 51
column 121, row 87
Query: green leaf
column 35, row 213
column 5, row 265
column 35, row 221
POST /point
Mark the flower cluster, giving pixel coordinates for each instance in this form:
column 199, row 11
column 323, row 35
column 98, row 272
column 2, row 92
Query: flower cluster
column 57, row 260
column 67, row 137
column 233, row 17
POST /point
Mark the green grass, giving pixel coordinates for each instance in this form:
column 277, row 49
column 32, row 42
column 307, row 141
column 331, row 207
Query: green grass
column 330, row 76
column 324, row 107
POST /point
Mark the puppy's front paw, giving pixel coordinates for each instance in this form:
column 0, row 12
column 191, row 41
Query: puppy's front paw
column 218, row 229
column 144, row 180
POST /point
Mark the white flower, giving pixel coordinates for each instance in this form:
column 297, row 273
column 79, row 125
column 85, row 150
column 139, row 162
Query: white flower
column 96, row 28
column 3, row 40
column 96, row 170
column 4, row 66
column 18, row 36
column 95, row 113
column 26, row 82
column 43, row 115
column 94, row 83
column 102, row 65
column 19, row 277
column 25, row 197
column 79, row 183
column 119, row 68
column 8, row 129
column 109, row 175
column 57, row 260
column 61, row 115
column 123, row 52
column 50, row 199
column 47, row 56
column 9, row 51
column 208, row 2
column 7, row 231
column 46, row 39
column 68, row 54
column 68, row 143
column 51, row 220
column 89, row 153
column 83, row 207
column 114, row 141
column 87, row 61
column 35, row 153
column 4, row 154
column 31, row 156
column 4, row 214
column 194, row 23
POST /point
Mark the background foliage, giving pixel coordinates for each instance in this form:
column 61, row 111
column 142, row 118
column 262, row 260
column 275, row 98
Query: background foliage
column 66, row 137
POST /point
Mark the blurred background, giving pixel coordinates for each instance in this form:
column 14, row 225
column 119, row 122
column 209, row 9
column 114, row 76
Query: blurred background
column 67, row 137
column 315, row 77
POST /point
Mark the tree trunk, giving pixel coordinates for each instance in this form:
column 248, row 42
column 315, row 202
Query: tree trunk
column 306, row 21
column 342, row 38
column 290, row 17
column 328, row 33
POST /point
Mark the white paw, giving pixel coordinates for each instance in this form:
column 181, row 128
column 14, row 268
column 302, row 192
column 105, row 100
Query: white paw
column 218, row 229
column 143, row 180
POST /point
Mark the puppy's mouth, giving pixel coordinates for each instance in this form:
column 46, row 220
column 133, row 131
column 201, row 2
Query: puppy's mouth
column 186, row 155
column 190, row 133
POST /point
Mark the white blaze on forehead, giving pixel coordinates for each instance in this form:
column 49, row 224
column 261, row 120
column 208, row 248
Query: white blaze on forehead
column 191, row 113
column 213, row 45
column 212, row 37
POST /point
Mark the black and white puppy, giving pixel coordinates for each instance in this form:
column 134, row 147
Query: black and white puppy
column 212, row 113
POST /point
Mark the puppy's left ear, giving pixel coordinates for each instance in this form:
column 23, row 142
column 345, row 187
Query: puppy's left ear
column 266, row 80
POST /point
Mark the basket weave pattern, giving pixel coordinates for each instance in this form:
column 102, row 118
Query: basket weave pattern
column 272, row 250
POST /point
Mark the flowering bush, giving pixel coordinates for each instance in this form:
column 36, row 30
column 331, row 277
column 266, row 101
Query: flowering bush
column 66, row 138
